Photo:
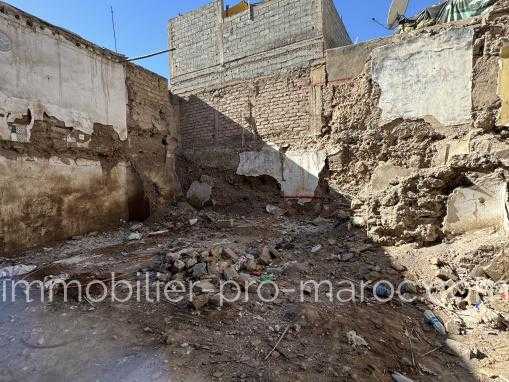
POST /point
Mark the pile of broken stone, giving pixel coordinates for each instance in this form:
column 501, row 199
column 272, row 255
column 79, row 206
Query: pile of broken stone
column 205, row 269
column 471, row 298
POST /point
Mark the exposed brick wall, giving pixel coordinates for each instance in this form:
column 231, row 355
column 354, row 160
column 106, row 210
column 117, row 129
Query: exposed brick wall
column 217, row 118
column 245, row 115
column 268, row 26
column 282, row 108
column 306, row 110
column 270, row 37
column 150, row 104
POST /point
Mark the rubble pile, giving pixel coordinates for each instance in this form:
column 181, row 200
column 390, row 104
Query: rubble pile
column 411, row 209
column 206, row 268
column 472, row 289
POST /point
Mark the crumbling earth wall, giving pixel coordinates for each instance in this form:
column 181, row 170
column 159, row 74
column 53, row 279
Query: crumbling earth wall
column 406, row 125
column 152, row 124
column 74, row 143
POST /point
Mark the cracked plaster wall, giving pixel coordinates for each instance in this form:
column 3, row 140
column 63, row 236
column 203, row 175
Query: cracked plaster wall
column 86, row 140
column 46, row 73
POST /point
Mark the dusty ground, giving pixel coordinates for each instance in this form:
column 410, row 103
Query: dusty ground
column 174, row 341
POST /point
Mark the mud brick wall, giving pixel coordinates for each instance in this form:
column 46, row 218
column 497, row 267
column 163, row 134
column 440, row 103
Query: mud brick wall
column 78, row 127
column 273, row 36
column 412, row 128
column 152, row 124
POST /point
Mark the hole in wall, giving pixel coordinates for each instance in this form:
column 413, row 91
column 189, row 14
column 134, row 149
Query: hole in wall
column 138, row 203
column 139, row 208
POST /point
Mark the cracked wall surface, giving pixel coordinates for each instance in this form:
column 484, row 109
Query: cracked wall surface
column 426, row 76
column 406, row 124
column 87, row 140
column 297, row 172
column 46, row 73
column 503, row 85
column 45, row 200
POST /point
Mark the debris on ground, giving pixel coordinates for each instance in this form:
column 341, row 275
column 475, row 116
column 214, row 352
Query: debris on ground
column 274, row 210
column 355, row 340
column 16, row 270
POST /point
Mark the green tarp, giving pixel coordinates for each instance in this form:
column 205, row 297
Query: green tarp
column 455, row 10
column 452, row 10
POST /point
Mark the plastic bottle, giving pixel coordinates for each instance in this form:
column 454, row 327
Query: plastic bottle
column 434, row 322
column 382, row 291
column 397, row 377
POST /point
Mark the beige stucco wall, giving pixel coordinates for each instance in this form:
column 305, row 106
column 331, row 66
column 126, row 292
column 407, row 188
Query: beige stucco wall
column 69, row 164
column 479, row 206
column 44, row 72
column 426, row 76
column 43, row 200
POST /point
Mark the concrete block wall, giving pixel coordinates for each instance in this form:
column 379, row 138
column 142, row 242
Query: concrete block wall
column 271, row 36
column 195, row 40
column 270, row 25
column 334, row 31
column 242, row 116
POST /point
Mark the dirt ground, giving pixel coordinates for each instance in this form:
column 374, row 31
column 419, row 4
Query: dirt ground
column 285, row 339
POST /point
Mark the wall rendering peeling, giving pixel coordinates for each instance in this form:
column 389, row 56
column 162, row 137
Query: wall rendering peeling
column 86, row 139
column 479, row 206
column 46, row 73
column 301, row 173
column 404, row 121
column 296, row 171
column 412, row 77
column 383, row 175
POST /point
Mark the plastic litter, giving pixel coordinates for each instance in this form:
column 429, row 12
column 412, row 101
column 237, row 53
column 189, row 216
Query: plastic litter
column 397, row 377
column 382, row 291
column 434, row 322
column 266, row 278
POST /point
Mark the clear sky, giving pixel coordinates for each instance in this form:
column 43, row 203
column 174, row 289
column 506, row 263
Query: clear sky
column 142, row 25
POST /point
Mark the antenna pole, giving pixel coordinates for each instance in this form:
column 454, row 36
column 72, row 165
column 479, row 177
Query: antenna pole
column 379, row 23
column 113, row 25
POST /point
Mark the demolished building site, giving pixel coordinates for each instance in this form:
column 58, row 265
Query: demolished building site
column 288, row 206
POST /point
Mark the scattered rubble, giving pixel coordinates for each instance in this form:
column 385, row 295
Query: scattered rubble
column 280, row 254
column 355, row 340
column 274, row 210
column 134, row 236
column 16, row 270
column 397, row 377
column 411, row 209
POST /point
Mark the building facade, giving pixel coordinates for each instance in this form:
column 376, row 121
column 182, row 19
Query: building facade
column 213, row 45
